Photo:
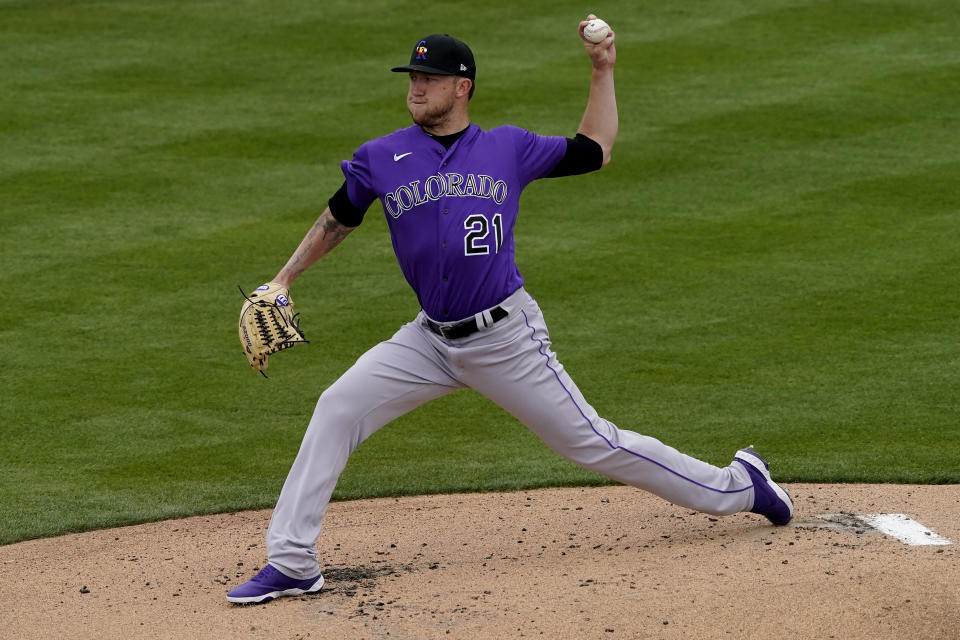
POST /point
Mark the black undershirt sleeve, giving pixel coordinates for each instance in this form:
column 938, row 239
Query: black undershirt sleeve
column 343, row 210
column 583, row 155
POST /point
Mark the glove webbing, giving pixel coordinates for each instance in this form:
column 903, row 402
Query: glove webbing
column 286, row 329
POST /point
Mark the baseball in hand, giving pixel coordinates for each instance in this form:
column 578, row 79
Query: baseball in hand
column 596, row 30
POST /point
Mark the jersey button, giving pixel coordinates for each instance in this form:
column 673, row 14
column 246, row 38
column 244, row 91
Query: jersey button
column 445, row 278
column 446, row 211
column 444, row 245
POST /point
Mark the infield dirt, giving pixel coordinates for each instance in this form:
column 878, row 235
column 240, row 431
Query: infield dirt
column 608, row 562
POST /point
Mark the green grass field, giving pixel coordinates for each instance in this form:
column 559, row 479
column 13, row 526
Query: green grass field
column 772, row 258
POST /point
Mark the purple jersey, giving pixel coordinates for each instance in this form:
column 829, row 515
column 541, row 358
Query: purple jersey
column 452, row 212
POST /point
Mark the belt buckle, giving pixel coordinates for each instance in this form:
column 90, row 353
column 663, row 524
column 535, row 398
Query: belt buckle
column 439, row 329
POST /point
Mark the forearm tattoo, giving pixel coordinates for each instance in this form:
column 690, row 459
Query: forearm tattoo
column 325, row 234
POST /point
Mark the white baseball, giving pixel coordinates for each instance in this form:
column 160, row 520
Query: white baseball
column 596, row 30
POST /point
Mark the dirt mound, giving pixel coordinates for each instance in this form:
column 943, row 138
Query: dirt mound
column 609, row 562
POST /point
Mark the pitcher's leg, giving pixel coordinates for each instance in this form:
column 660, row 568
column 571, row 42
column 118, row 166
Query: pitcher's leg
column 388, row 381
column 537, row 390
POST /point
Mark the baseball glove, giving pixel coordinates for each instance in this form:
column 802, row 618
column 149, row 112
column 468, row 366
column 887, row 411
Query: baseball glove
column 268, row 324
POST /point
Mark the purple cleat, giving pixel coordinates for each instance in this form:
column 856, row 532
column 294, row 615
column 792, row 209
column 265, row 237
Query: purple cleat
column 270, row 584
column 769, row 498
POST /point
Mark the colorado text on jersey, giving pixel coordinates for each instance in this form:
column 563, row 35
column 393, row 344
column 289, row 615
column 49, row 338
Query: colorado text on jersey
column 443, row 185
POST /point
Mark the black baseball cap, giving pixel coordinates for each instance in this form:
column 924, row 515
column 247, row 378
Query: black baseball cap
column 441, row 54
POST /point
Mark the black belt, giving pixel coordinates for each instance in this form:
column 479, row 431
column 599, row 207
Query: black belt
column 466, row 327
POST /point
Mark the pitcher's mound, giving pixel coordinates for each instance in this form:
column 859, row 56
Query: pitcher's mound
column 609, row 562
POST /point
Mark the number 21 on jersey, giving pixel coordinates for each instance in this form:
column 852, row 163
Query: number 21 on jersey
column 475, row 243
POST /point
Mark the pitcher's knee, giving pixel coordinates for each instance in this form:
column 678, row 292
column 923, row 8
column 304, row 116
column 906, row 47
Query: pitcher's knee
column 337, row 408
column 593, row 454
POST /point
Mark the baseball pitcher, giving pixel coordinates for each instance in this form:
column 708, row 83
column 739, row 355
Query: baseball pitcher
column 450, row 192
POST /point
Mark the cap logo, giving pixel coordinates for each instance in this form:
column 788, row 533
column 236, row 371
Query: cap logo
column 422, row 50
column 463, row 67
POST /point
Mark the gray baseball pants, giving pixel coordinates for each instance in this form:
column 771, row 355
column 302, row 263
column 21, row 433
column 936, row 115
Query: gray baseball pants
column 512, row 364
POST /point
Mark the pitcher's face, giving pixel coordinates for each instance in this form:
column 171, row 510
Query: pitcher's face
column 431, row 98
